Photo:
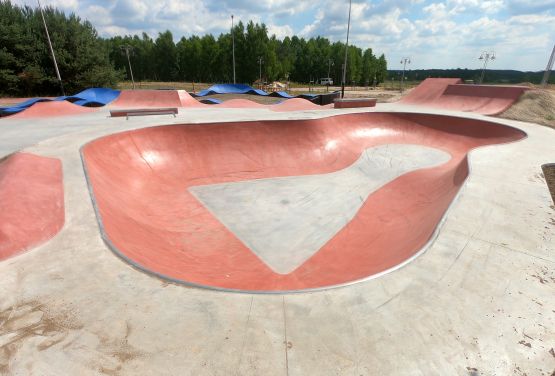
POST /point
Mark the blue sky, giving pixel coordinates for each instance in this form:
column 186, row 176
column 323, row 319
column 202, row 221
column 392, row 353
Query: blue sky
column 434, row 33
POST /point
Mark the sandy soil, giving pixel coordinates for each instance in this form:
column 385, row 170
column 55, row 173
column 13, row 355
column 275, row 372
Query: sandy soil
column 535, row 106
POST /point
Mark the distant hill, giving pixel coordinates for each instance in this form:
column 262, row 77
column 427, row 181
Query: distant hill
column 491, row 76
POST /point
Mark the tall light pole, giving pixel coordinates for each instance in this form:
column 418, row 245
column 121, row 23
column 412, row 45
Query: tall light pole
column 545, row 78
column 486, row 56
column 52, row 50
column 404, row 61
column 346, row 50
column 233, row 48
column 128, row 48
column 260, row 61
column 330, row 63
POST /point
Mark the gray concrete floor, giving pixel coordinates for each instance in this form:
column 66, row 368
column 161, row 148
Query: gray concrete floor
column 479, row 301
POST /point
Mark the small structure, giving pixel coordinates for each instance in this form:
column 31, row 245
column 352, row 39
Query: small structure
column 354, row 102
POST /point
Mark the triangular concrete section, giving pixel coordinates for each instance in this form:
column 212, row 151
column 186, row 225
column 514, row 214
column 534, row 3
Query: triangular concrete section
column 286, row 220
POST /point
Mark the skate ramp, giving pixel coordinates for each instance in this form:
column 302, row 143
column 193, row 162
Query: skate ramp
column 10, row 110
column 231, row 89
column 273, row 206
column 297, row 104
column 451, row 94
column 93, row 97
column 429, row 90
column 149, row 99
column 31, row 202
column 52, row 109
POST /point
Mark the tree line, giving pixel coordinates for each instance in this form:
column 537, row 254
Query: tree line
column 25, row 64
column 257, row 55
column 87, row 60
column 498, row 76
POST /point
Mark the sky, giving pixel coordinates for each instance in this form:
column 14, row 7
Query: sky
column 433, row 33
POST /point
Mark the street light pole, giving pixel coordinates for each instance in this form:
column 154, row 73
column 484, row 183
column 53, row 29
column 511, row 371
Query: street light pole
column 128, row 48
column 486, row 56
column 233, row 41
column 330, row 63
column 52, row 50
column 260, row 61
column 404, row 61
column 346, row 50
column 545, row 78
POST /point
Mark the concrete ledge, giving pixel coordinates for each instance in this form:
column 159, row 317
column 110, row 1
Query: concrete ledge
column 354, row 102
column 143, row 112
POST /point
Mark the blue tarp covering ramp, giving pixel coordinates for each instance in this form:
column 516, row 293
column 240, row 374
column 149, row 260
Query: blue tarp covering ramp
column 93, row 97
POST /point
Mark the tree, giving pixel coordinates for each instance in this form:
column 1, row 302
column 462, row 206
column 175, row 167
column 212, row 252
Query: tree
column 165, row 52
column 26, row 66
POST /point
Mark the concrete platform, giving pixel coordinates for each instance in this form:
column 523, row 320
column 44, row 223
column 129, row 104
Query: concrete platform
column 479, row 301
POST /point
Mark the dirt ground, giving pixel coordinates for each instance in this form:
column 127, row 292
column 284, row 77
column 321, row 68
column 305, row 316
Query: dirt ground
column 535, row 106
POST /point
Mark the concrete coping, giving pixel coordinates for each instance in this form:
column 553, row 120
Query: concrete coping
column 144, row 111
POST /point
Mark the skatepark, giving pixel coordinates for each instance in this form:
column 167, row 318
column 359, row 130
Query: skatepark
column 145, row 230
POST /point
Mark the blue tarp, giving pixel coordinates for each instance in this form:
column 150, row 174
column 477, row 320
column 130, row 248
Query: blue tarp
column 97, row 96
column 246, row 89
column 231, row 89
column 281, row 94
column 88, row 97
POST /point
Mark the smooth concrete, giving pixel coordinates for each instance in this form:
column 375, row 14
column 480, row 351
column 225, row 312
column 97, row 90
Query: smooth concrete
column 285, row 221
column 140, row 182
column 480, row 301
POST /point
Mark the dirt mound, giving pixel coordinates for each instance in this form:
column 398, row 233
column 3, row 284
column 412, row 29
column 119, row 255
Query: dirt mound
column 535, row 106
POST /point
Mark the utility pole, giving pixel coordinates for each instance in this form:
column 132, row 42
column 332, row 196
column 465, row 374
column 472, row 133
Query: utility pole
column 233, row 41
column 545, row 78
column 52, row 51
column 330, row 63
column 260, row 61
column 486, row 56
column 404, row 61
column 346, row 50
column 128, row 48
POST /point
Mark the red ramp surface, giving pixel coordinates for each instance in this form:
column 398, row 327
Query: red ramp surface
column 155, row 99
column 268, row 205
column 429, row 90
column 31, row 202
column 451, row 94
column 52, row 109
column 180, row 98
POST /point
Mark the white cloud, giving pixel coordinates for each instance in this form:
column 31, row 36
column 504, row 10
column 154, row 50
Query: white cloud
column 280, row 31
column 436, row 33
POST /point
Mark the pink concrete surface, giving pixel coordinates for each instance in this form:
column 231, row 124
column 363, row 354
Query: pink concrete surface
column 152, row 99
column 139, row 180
column 180, row 98
column 31, row 202
column 429, row 90
column 52, row 109
column 451, row 94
